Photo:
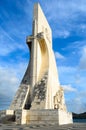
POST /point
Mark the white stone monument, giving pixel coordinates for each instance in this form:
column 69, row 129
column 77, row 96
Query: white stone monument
column 40, row 98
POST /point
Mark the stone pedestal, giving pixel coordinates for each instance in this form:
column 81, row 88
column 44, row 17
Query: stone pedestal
column 43, row 116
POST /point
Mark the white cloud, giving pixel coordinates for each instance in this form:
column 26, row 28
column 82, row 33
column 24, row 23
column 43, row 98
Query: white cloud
column 59, row 56
column 8, row 44
column 11, row 75
column 83, row 27
column 82, row 64
column 67, row 69
column 61, row 33
column 76, row 46
column 14, row 29
column 10, row 78
column 77, row 103
column 78, row 79
column 74, row 86
column 71, row 8
column 69, row 88
column 8, row 82
column 73, row 76
column 63, row 18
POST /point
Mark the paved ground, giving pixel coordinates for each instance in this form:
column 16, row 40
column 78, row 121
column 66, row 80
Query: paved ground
column 75, row 126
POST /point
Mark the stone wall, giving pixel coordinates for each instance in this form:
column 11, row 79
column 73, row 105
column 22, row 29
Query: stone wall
column 43, row 116
column 65, row 117
column 39, row 116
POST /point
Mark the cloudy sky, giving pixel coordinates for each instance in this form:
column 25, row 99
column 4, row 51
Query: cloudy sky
column 67, row 19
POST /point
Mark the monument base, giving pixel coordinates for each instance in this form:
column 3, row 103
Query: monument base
column 48, row 116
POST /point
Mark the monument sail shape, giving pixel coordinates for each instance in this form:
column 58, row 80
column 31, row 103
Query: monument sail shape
column 40, row 90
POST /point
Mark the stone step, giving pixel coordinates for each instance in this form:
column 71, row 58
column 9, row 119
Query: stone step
column 19, row 97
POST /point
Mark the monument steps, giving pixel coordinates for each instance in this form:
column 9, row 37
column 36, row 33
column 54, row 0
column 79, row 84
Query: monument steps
column 19, row 98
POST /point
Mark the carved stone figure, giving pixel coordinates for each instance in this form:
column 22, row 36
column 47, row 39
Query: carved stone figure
column 59, row 100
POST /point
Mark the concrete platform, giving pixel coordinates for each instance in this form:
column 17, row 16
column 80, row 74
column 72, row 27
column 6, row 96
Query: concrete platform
column 75, row 126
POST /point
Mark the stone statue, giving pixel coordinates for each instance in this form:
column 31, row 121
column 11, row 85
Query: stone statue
column 59, row 100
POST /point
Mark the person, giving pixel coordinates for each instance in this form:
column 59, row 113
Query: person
column 58, row 99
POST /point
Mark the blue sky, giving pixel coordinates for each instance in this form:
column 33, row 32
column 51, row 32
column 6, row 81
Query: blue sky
column 67, row 19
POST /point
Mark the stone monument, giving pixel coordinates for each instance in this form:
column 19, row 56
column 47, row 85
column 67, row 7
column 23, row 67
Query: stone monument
column 40, row 98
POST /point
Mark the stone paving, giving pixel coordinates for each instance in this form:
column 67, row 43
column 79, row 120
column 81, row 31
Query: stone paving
column 75, row 126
